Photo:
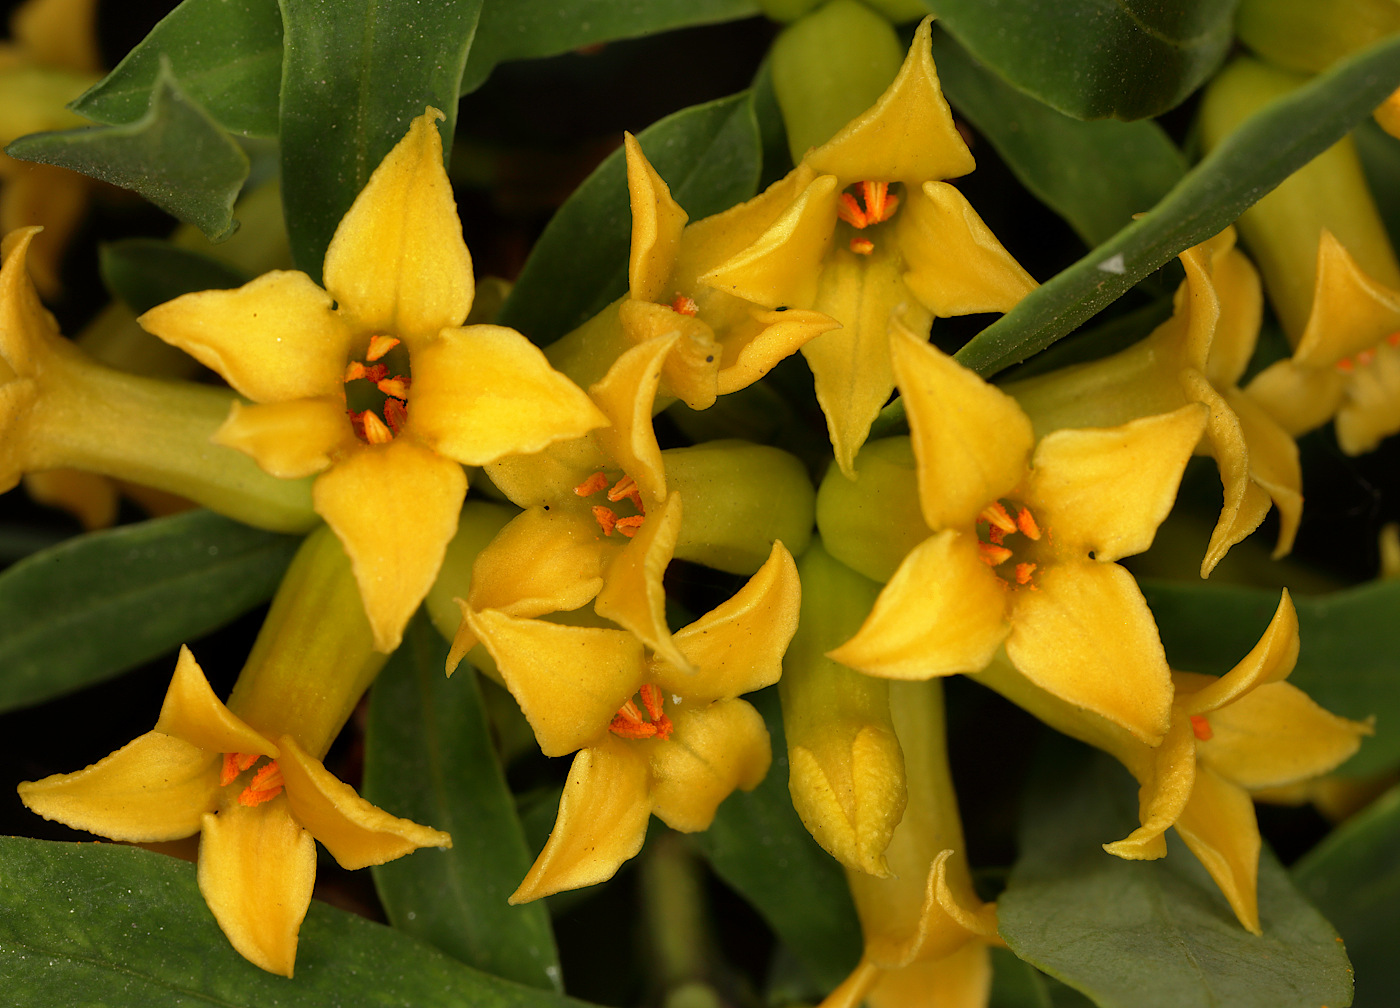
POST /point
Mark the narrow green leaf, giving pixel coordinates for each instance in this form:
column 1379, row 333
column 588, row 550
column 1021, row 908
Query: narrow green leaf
column 529, row 29
column 356, row 73
column 1354, row 878
column 428, row 751
column 709, row 155
column 1095, row 59
column 759, row 846
column 228, row 57
column 1347, row 661
column 175, row 155
column 1096, row 175
column 1276, row 141
column 1151, row 934
column 88, row 925
column 145, row 272
column 99, row 604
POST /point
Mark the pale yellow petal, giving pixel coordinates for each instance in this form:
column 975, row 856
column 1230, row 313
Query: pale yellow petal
column 193, row 713
column 1170, row 772
column 394, row 508
column 781, row 334
column 872, row 522
column 1270, row 660
column 961, row 979
column 397, row 263
column 1350, row 311
column 1298, row 399
column 485, row 391
column 1218, row 825
column 945, row 920
column 1273, row 464
column 1105, row 490
column 851, row 800
column 1371, row 409
column 971, row 441
column 657, row 220
column 1086, row 636
column 633, row 596
column 1241, row 297
column 625, row 395
column 602, row 821
column 546, row 477
column 155, row 787
column 714, row 750
column 942, row 613
column 25, row 324
column 691, row 369
column 61, row 33
column 544, row 561
column 570, row 681
column 289, row 439
column 275, row 338
column 257, row 867
column 357, row 833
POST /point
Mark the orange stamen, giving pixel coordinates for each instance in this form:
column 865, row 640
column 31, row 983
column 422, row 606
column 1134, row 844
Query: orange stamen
column 591, row 485
column 375, row 430
column 862, row 246
column 354, row 370
column 683, row 305
column 993, row 554
column 626, row 489
column 1345, row 365
column 235, row 764
column 1027, row 524
column 850, row 211
column 628, row 526
column 1365, row 357
column 628, row 721
column 379, row 345
column 266, row 785
column 1393, row 339
column 1200, row 727
column 606, row 518
column 395, row 414
column 879, row 204
column 996, row 515
column 1024, row 572
column 395, row 386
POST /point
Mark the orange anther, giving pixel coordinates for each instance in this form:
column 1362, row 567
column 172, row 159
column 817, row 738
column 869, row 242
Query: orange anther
column 879, row 204
column 1026, row 523
column 629, row 724
column 375, row 430
column 1345, row 365
column 683, row 305
column 266, row 785
column 652, row 699
column 1393, row 339
column 591, row 485
column 996, row 515
column 862, row 246
column 993, row 554
column 354, row 370
column 395, row 386
column 235, row 764
column 395, row 414
column 850, row 211
column 628, row 526
column 605, row 517
column 1365, row 357
column 1200, row 727
column 626, row 489
column 1024, row 572
column 379, row 345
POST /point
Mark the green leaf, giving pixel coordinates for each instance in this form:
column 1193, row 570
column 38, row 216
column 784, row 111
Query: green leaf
column 709, row 155
column 759, row 846
column 1276, row 141
column 1096, row 175
column 1380, row 159
column 1354, row 878
column 99, row 604
column 1151, row 934
column 86, row 925
column 428, row 752
column 175, row 155
column 228, row 57
column 145, row 272
column 1016, row 984
column 529, row 29
column 1346, row 662
column 356, row 73
column 1095, row 59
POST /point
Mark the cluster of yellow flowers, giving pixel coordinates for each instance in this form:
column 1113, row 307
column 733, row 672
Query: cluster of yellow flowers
column 984, row 542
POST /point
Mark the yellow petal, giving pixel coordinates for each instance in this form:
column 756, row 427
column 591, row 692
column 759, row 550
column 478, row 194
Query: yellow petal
column 193, row 713
column 549, row 476
column 872, row 522
column 780, row 335
column 1218, row 825
column 625, row 395
column 971, row 441
column 1170, row 773
column 1087, row 636
column 602, row 821
column 25, row 325
column 961, row 979
column 943, row 612
column 691, row 369
column 945, row 920
column 1371, row 409
column 1270, row 660
column 256, row 870
column 1298, row 399
column 1241, row 297
column 738, row 646
column 356, row 833
column 60, row 33
column 1273, row 465
column 484, row 391
column 1350, row 311
column 275, row 338
column 633, row 596
column 657, row 221
column 397, row 263
column 1105, row 490
column 394, row 508
column 544, row 561
column 713, row 750
column 289, row 439
column 851, row 800
column 88, row 497
column 570, row 681
column 955, row 264
column 907, row 135
column 155, row 787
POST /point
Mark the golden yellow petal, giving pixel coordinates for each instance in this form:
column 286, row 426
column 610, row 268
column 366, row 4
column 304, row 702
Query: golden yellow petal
column 394, row 507
column 850, row 797
column 547, row 477
column 714, row 750
column 1388, row 114
column 25, row 324
column 1350, row 312
column 289, row 439
column 256, row 871
column 485, row 391
column 1167, row 774
column 356, row 833
column 1087, row 636
column 942, row 613
column 570, row 681
column 632, row 595
column 690, row 372
column 907, row 135
column 956, row 266
column 1298, row 399
column 738, row 646
column 544, row 561
column 1371, row 409
column 780, row 335
column 872, row 522
column 88, row 497
column 1241, row 299
column 275, row 338
column 971, row 441
column 60, row 33
column 708, row 242
column 961, row 979
column 852, row 991
column 602, row 821
column 1273, row 464
column 397, row 263
column 945, row 920
column 17, row 455
column 1270, row 660
column 1105, row 490
column 191, row 712
column 155, row 787
column 1218, row 825
column 657, row 220
column 55, row 197
column 625, row 395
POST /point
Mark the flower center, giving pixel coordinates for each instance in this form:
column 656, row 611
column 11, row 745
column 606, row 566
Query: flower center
column 997, row 528
column 683, row 305
column 265, row 785
column 1365, row 357
column 629, row 723
column 376, row 390
column 879, row 206
column 1200, row 727
column 608, row 519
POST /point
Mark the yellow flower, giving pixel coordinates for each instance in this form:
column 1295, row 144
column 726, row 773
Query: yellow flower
column 875, row 254
column 653, row 736
column 1197, row 355
column 1023, row 546
column 383, row 343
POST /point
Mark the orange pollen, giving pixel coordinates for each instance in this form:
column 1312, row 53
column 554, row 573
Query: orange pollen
column 379, row 345
column 879, row 205
column 1024, row 572
column 629, row 723
column 996, row 515
column 683, row 305
column 628, row 526
column 993, row 554
column 606, row 518
column 862, row 246
column 375, row 430
column 1026, row 523
column 395, row 414
column 591, row 485
column 395, row 386
column 266, row 785
column 1365, row 357
column 1200, row 727
column 1393, row 339
column 626, row 489
column 235, row 764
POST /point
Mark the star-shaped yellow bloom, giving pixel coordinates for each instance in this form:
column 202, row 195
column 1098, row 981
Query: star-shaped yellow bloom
column 259, row 804
column 870, row 234
column 374, row 383
column 652, row 736
column 1024, row 539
